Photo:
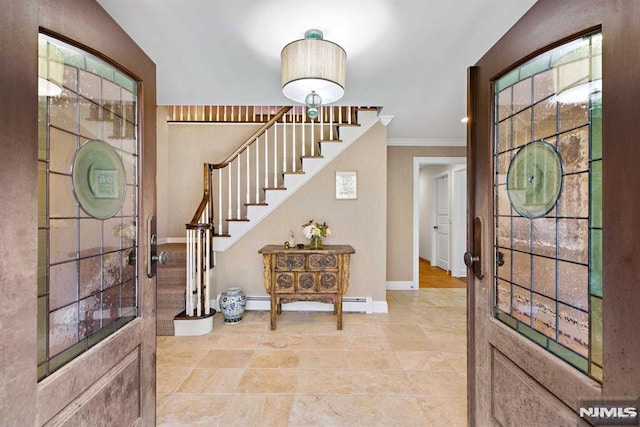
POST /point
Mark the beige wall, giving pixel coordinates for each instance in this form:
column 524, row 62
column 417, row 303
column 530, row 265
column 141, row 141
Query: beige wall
column 360, row 223
column 400, row 205
column 182, row 151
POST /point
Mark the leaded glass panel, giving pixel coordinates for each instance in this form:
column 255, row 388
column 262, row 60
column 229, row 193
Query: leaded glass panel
column 548, row 202
column 87, row 268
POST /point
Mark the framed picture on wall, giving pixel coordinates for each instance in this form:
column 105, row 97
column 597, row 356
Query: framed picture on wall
column 346, row 185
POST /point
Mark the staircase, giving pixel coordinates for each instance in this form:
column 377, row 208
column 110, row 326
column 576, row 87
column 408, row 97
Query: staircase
column 170, row 287
column 263, row 172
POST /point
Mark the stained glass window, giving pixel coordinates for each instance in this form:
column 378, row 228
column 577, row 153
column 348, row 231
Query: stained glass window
column 548, row 202
column 87, row 266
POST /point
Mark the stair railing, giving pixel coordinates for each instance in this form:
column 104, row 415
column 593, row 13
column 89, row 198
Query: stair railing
column 256, row 166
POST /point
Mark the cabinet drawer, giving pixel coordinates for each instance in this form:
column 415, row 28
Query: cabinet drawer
column 328, row 282
column 284, row 282
column 322, row 262
column 289, row 262
column 306, row 282
column 316, row 282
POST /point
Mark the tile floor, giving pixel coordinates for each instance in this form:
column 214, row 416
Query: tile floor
column 403, row 368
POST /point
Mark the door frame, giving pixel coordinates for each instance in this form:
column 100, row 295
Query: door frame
column 544, row 26
column 417, row 162
column 434, row 218
column 24, row 400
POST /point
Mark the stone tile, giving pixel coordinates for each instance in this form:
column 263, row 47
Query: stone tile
column 182, row 357
column 335, row 359
column 432, row 383
column 168, row 378
column 430, row 360
column 226, row 359
column 281, row 341
column 323, row 341
column 258, row 410
column 274, row 359
column 382, row 382
column 365, row 343
column 212, row 381
column 161, row 398
column 322, row 410
column 238, row 342
column 369, row 360
column 192, row 410
column 445, row 411
column 391, row 411
column 324, row 381
column 268, row 381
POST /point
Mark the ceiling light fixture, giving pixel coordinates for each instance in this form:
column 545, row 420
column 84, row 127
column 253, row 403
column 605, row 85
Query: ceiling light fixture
column 313, row 71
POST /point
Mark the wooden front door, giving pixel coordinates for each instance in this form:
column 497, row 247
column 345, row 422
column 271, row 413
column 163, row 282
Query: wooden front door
column 553, row 282
column 78, row 190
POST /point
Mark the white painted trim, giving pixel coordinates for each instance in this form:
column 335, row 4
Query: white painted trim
column 191, row 327
column 385, row 120
column 414, row 142
column 349, row 305
column 164, row 240
column 458, row 221
column 402, row 286
column 417, row 162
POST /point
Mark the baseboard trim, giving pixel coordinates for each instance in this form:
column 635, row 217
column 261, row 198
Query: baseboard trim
column 163, row 240
column 401, row 286
column 349, row 305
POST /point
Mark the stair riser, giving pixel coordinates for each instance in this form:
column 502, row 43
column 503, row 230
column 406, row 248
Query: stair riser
column 176, row 301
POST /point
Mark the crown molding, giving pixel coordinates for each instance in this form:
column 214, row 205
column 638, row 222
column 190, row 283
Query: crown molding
column 385, row 120
column 414, row 142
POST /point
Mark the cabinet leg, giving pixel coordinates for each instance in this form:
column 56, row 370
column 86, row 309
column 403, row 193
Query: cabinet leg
column 273, row 312
column 279, row 307
column 338, row 308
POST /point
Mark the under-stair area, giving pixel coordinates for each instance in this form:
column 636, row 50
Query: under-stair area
column 170, row 287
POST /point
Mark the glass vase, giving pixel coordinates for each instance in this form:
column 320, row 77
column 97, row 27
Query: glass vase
column 316, row 242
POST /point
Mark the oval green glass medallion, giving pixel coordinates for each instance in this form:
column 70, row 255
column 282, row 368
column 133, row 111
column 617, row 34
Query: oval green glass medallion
column 99, row 179
column 534, row 179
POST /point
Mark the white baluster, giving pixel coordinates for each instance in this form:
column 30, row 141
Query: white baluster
column 303, row 119
column 275, row 155
column 339, row 114
column 181, row 112
column 210, row 113
column 219, row 201
column 331, row 123
column 229, row 209
column 217, row 113
column 257, row 172
column 284, row 145
column 313, row 137
column 322, row 123
column 266, row 158
column 248, row 195
column 189, row 274
column 349, row 114
column 198, row 274
column 207, row 280
column 173, row 113
column 294, row 163
column 238, row 163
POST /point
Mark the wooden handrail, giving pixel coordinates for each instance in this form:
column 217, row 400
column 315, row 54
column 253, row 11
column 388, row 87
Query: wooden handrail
column 252, row 138
column 205, row 200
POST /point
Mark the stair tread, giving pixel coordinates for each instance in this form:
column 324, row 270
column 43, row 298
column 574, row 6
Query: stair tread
column 317, row 156
column 330, row 140
column 274, row 188
column 256, row 204
column 300, row 172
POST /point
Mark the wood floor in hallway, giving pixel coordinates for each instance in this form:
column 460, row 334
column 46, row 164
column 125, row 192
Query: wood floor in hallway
column 435, row 277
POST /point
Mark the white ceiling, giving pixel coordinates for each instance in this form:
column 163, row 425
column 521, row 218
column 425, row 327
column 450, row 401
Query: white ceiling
column 408, row 56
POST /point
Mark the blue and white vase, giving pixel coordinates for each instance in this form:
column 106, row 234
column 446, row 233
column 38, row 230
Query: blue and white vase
column 232, row 303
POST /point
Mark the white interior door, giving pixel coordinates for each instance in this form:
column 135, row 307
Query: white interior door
column 442, row 222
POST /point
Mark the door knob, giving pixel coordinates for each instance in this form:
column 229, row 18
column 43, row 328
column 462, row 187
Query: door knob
column 435, row 227
column 161, row 258
column 469, row 259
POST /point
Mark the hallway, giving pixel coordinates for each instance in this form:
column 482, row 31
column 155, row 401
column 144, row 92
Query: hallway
column 406, row 367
